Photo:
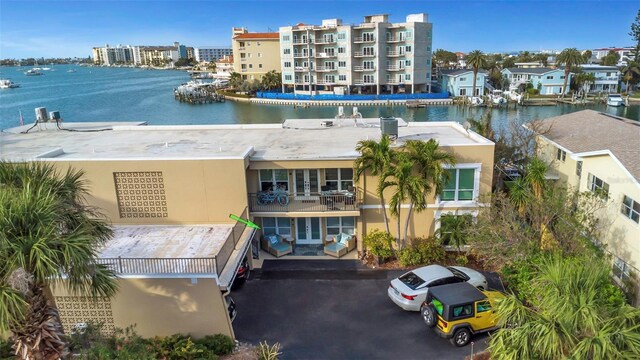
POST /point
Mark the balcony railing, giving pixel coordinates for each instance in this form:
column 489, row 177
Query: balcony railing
column 301, row 68
column 362, row 68
column 301, row 42
column 394, row 68
column 394, row 39
column 361, row 39
column 394, row 53
column 300, row 55
column 314, row 202
column 325, row 82
column 322, row 41
column 325, row 55
column 364, row 82
column 395, row 82
column 362, row 54
column 325, row 68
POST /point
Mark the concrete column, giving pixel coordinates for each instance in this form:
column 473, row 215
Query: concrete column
column 378, row 89
column 412, row 88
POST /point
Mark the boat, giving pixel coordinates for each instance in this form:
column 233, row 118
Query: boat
column 497, row 97
column 615, row 100
column 8, row 84
column 476, row 101
column 33, row 72
column 71, row 70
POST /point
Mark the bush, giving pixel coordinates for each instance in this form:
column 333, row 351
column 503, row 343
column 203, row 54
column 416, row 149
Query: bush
column 533, row 91
column 379, row 243
column 266, row 352
column 422, row 251
column 6, row 352
column 220, row 344
column 462, row 260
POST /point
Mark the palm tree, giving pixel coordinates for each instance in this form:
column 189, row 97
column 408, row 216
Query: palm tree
column 407, row 185
column 569, row 57
column 631, row 71
column 453, row 229
column 235, row 80
column 375, row 157
column 476, row 59
column 569, row 318
column 584, row 80
column 46, row 231
column 535, row 176
column 519, row 194
column 430, row 162
column 271, row 80
column 483, row 126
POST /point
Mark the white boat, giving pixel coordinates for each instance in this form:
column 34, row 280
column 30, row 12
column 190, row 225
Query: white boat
column 33, row 72
column 497, row 97
column 71, row 71
column 476, row 101
column 8, row 84
column 615, row 100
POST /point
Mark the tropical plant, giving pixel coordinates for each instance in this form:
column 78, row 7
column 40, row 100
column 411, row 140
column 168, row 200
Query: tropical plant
column 444, row 59
column 567, row 316
column 374, row 158
column 379, row 243
column 46, row 231
column 453, row 230
column 535, row 172
column 483, row 126
column 569, row 57
column 406, row 186
column 477, row 60
column 422, row 251
column 271, row 80
column 584, row 80
column 268, row 352
column 587, row 54
column 235, row 80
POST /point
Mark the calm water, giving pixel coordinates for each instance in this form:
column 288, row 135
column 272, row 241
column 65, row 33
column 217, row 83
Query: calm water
column 106, row 94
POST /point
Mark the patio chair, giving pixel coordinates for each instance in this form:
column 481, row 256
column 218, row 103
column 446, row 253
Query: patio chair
column 341, row 245
column 276, row 245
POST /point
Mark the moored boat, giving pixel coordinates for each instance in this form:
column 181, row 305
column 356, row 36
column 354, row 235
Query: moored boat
column 8, row 84
column 33, row 72
column 615, row 100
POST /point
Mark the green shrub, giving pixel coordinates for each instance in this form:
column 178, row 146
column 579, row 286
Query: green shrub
column 462, row 260
column 6, row 352
column 533, row 91
column 220, row 344
column 266, row 352
column 421, row 251
column 379, row 243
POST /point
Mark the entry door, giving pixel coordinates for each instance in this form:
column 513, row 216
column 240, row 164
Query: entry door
column 308, row 231
column 307, row 183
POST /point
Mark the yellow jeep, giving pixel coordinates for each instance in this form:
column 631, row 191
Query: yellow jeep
column 456, row 311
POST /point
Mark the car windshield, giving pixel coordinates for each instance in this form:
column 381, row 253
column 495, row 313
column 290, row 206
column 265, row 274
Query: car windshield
column 458, row 273
column 412, row 280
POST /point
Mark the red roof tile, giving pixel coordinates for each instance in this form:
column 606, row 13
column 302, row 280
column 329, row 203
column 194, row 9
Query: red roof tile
column 273, row 35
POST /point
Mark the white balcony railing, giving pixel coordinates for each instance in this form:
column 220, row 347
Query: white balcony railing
column 325, row 68
column 363, row 68
column 364, row 82
column 300, row 55
column 301, row 68
column 363, row 54
column 325, row 55
column 361, row 39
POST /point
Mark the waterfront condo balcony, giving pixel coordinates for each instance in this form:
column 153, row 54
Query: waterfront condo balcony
column 323, row 41
column 302, row 42
column 360, row 54
column 362, row 68
column 325, row 68
column 395, row 68
column 325, row 201
column 300, row 55
column 395, row 82
column 394, row 53
column 364, row 82
column 362, row 40
column 325, row 55
column 395, row 39
column 325, row 82
column 301, row 68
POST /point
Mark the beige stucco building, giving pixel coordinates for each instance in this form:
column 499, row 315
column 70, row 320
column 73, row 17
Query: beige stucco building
column 255, row 54
column 169, row 190
column 598, row 152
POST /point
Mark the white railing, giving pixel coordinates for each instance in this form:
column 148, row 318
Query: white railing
column 325, row 68
column 364, row 82
column 361, row 39
column 301, row 68
column 395, row 39
column 362, row 54
column 300, row 55
column 395, row 82
column 362, row 68
column 393, row 68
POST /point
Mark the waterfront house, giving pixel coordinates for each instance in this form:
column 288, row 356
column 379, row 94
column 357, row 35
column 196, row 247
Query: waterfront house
column 169, row 190
column 607, row 78
column 255, row 54
column 548, row 80
column 459, row 82
column 598, row 152
column 373, row 57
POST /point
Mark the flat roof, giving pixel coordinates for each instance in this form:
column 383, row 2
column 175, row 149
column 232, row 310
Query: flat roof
column 589, row 131
column 166, row 242
column 266, row 142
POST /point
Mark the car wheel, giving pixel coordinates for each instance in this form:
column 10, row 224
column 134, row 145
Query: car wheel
column 461, row 337
column 428, row 315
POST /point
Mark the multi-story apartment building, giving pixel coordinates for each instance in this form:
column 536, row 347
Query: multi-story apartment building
column 373, row 57
column 169, row 190
column 607, row 78
column 159, row 55
column 255, row 54
column 624, row 52
column 108, row 55
column 209, row 54
column 548, row 80
column 598, row 152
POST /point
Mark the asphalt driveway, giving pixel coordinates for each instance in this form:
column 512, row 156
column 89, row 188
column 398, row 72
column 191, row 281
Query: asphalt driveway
column 316, row 312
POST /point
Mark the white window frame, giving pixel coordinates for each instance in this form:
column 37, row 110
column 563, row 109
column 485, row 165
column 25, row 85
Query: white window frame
column 342, row 77
column 629, row 210
column 339, row 179
column 273, row 178
column 594, row 188
column 561, row 155
column 340, row 226
column 280, row 223
column 476, row 185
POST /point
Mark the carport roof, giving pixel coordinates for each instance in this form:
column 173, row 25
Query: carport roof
column 458, row 293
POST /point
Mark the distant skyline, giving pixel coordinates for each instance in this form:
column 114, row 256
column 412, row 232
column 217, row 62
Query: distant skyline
column 71, row 28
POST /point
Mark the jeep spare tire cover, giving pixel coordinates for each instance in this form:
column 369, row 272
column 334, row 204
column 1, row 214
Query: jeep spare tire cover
column 429, row 315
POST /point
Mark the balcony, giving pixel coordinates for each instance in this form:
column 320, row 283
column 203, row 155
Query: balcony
column 302, row 42
column 300, row 55
column 241, row 48
column 364, row 82
column 395, row 68
column 325, row 55
column 395, row 39
column 394, row 53
column 361, row 40
column 362, row 68
column 360, row 54
column 325, row 82
column 315, row 202
column 243, row 70
column 301, row 68
column 322, row 41
column 325, row 68
column 395, row 82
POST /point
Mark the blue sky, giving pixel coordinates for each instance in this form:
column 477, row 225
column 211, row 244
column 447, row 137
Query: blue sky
column 70, row 28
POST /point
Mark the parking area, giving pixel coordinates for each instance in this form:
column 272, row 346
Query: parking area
column 321, row 313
